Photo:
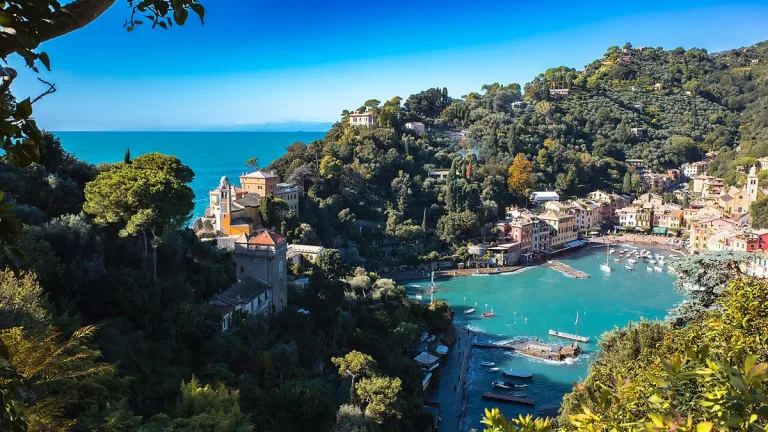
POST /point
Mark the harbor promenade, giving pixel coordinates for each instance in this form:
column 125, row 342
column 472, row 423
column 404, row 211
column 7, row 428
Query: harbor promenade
column 451, row 389
column 566, row 269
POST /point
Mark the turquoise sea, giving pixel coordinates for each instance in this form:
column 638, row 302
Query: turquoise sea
column 210, row 154
column 528, row 303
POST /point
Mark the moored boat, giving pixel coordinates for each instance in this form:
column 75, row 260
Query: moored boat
column 488, row 314
column 487, row 363
column 629, row 268
column 469, row 311
column 517, row 374
column 502, row 384
column 493, row 369
column 658, row 269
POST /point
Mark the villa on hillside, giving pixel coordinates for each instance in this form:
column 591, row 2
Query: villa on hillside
column 363, row 119
column 417, row 127
column 261, row 270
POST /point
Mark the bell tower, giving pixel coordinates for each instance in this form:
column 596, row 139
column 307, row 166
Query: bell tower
column 752, row 184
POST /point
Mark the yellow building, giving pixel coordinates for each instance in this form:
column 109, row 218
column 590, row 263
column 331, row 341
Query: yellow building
column 562, row 227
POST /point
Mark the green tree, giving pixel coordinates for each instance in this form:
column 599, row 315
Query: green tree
column 145, row 198
column 355, row 365
column 127, row 156
column 330, row 167
column 331, row 263
column 454, row 228
column 378, row 395
column 626, row 187
column 285, row 357
column 350, row 418
column 22, row 301
column 273, row 211
column 758, row 214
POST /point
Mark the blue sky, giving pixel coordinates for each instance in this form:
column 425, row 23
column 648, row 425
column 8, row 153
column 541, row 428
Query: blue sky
column 260, row 61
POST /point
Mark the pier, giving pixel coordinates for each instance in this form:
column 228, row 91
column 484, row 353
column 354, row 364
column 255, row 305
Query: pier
column 535, row 348
column 566, row 269
column 508, row 398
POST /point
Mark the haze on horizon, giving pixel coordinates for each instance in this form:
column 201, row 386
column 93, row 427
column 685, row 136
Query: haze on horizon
column 265, row 62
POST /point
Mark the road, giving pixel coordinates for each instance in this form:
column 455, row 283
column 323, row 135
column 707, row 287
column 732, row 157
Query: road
column 451, row 390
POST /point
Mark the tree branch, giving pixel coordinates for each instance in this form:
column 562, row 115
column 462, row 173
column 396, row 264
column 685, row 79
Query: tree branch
column 69, row 18
column 51, row 89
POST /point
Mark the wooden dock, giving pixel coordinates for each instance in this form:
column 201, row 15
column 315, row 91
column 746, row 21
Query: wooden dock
column 566, row 269
column 508, row 398
column 570, row 336
column 535, row 348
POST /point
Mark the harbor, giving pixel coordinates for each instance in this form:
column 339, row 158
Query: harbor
column 527, row 304
column 534, row 348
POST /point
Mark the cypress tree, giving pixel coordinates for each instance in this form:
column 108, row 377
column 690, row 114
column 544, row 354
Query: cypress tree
column 127, row 156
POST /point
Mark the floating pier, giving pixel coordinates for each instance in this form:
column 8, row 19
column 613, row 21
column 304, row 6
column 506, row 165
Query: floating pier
column 570, row 336
column 508, row 398
column 566, row 269
column 535, row 348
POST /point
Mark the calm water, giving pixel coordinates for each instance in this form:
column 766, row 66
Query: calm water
column 210, row 154
column 530, row 302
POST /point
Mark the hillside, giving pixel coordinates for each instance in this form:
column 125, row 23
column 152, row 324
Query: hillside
column 575, row 127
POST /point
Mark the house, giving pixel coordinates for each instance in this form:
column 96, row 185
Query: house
column 261, row 271
column 562, row 227
column 518, row 104
column 539, row 198
column 609, row 202
column 639, row 164
column 658, row 87
column 297, row 252
column 289, row 193
column 653, row 199
column 440, row 174
column 363, row 119
column 636, row 132
column 417, row 127
column 703, row 230
column 518, row 227
column 763, row 163
column 506, row 254
column 707, row 186
column 540, row 235
column 757, row 266
column 559, row 93
column 667, row 218
column 636, row 217
column 691, row 170
column 656, row 181
column 249, row 295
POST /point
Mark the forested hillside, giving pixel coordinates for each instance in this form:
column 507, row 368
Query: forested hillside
column 575, row 129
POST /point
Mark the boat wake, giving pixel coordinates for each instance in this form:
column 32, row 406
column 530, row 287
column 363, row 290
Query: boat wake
column 566, row 362
column 479, row 274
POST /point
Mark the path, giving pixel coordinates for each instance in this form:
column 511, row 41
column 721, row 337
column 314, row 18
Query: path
column 451, row 389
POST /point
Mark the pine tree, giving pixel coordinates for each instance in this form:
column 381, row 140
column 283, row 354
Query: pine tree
column 627, row 186
column 127, row 156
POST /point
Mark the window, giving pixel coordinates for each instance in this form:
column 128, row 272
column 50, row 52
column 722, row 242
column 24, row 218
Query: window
column 280, row 266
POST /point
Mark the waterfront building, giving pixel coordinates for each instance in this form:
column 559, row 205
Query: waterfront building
column 703, row 230
column 506, row 254
column 562, row 227
column 363, row 119
column 260, row 267
column 667, row 218
column 518, row 227
column 540, row 235
column 636, row 216
column 612, row 202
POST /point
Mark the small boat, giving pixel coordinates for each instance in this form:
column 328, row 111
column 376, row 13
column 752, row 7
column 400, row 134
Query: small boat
column 493, row 369
column 487, row 363
column 519, row 395
column 652, row 262
column 469, row 311
column 488, row 314
column 631, row 261
column 605, row 267
column 612, row 251
column 441, row 349
column 649, row 268
column 616, row 260
column 418, row 297
column 414, row 286
column 501, row 384
column 518, row 374
column 629, row 268
column 658, row 269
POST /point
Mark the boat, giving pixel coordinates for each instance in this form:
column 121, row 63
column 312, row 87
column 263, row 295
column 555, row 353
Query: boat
column 611, row 251
column 629, row 268
column 569, row 336
column 441, row 349
column 658, row 269
column 487, row 363
column 517, row 374
column 508, row 398
column 469, row 311
column 605, row 267
column 652, row 262
column 502, row 384
column 616, row 260
column 418, row 297
column 488, row 314
column 414, row 286
column 518, row 395
column 631, row 261
column 520, row 386
column 649, row 268
column 493, row 369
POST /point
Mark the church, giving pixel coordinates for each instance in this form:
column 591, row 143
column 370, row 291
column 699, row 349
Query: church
column 736, row 200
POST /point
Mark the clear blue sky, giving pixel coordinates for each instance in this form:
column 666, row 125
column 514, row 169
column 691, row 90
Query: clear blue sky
column 259, row 61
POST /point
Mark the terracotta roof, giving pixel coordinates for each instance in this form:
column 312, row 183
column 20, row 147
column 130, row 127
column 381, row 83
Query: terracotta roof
column 266, row 238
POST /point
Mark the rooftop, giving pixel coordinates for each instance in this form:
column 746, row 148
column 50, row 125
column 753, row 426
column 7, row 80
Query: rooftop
column 241, row 292
column 259, row 174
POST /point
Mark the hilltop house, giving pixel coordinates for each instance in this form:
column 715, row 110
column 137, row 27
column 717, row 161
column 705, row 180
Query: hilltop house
column 417, row 127
column 363, row 119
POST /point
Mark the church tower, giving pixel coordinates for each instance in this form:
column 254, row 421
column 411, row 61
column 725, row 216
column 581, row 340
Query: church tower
column 225, row 205
column 752, row 185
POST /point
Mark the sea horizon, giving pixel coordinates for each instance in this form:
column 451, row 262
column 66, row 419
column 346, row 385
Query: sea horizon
column 210, row 154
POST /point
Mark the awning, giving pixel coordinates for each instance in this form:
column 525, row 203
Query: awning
column 659, row 230
column 426, row 358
